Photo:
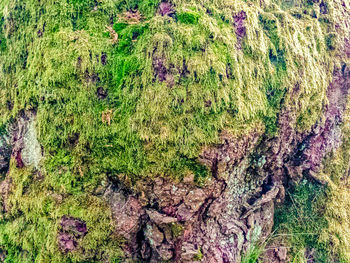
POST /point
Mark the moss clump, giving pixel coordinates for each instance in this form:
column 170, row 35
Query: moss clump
column 198, row 256
column 2, row 37
column 188, row 17
column 176, row 230
column 253, row 254
column 29, row 229
column 303, row 221
column 331, row 41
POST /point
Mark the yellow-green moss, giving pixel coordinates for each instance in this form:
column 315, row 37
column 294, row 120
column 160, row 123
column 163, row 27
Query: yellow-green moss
column 317, row 216
column 29, row 228
column 156, row 128
column 337, row 208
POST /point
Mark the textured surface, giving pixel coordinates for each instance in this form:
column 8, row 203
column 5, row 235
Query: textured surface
column 172, row 131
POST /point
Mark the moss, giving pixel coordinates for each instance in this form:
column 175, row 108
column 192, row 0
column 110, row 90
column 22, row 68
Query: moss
column 188, row 17
column 176, row 229
column 127, row 36
column 29, row 229
column 172, row 84
column 331, row 41
column 214, row 87
column 146, row 7
column 302, row 220
column 2, row 36
column 322, row 211
column 253, row 254
column 2, row 43
column 336, row 211
column 198, row 256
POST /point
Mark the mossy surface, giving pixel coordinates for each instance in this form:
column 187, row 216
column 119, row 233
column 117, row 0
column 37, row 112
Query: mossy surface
column 56, row 56
column 314, row 222
column 301, row 222
column 171, row 85
column 29, row 229
column 336, row 212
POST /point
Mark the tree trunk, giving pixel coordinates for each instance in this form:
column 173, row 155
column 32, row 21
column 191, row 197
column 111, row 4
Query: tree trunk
column 107, row 212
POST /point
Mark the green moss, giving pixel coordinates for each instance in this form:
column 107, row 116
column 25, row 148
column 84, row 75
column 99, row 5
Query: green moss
column 188, row 17
column 173, row 85
column 155, row 128
column 302, row 221
column 146, row 7
column 198, row 256
column 253, row 254
column 127, row 36
column 29, row 229
column 176, row 230
column 2, row 43
column 2, row 37
column 118, row 27
column 331, row 41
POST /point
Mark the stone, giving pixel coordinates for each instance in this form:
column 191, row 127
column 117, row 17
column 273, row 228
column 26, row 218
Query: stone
column 31, row 151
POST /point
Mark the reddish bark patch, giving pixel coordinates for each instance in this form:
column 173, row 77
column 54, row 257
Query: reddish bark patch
column 18, row 158
column 72, row 230
column 229, row 153
column 160, row 69
column 5, row 156
column 66, row 242
column 166, row 9
column 5, row 189
column 277, row 254
column 327, row 136
column 241, row 30
column 74, row 224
